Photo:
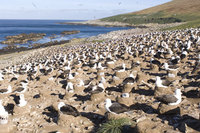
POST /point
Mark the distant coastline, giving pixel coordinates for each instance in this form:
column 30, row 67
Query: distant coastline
column 103, row 24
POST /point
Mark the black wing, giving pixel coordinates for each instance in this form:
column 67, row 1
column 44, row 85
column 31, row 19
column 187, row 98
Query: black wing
column 167, row 99
column 129, row 80
column 3, row 90
column 19, row 89
column 119, row 108
column 98, row 90
column 69, row 110
column 13, row 79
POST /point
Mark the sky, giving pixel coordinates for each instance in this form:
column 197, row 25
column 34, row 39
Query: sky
column 71, row 9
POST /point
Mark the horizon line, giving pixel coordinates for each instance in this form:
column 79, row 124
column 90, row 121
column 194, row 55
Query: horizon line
column 42, row 19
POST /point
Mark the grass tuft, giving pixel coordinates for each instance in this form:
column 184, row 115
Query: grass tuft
column 115, row 126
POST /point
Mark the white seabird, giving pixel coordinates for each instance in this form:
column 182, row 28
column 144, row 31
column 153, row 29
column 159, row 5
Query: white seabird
column 68, row 109
column 1, row 77
column 3, row 114
column 22, row 88
column 98, row 89
column 167, row 67
column 81, row 83
column 123, row 68
column 22, row 101
column 129, row 80
column 171, row 99
column 159, row 83
column 70, row 87
column 115, row 107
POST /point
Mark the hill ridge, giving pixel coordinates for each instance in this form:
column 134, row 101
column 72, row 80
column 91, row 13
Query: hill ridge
column 170, row 12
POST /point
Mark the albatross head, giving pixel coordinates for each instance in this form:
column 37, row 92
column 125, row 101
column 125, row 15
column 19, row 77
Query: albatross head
column 21, row 96
column 108, row 102
column 61, row 104
column 81, row 83
column 124, row 66
column 22, row 101
column 70, row 87
column 9, row 89
column 178, row 92
column 101, row 85
column 178, row 96
column 3, row 114
column 166, row 66
column 1, row 107
column 158, row 81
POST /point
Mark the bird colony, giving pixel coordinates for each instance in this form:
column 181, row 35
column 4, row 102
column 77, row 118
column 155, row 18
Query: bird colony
column 152, row 78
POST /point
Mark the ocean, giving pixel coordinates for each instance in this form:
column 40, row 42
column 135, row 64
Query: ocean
column 50, row 27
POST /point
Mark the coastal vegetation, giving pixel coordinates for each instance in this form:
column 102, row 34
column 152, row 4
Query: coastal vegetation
column 187, row 11
column 115, row 126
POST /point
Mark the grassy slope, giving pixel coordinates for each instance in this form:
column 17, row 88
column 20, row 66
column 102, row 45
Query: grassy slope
column 174, row 11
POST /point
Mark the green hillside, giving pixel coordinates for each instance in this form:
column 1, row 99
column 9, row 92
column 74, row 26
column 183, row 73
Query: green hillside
column 174, row 11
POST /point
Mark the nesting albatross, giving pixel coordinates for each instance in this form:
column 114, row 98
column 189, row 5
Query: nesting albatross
column 171, row 99
column 22, row 101
column 115, row 107
column 68, row 109
column 3, row 114
column 6, row 91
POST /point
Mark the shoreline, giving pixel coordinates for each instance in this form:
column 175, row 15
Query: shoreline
column 5, row 59
column 16, row 57
column 12, row 48
column 119, row 24
column 103, row 24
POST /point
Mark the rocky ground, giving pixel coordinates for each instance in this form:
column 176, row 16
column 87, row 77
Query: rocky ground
column 92, row 61
column 23, row 38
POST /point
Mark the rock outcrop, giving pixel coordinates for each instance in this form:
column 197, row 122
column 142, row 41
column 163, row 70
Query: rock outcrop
column 69, row 32
column 23, row 38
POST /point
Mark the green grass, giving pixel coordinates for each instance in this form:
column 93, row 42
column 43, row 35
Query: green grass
column 190, row 24
column 158, row 17
column 115, row 126
column 171, row 12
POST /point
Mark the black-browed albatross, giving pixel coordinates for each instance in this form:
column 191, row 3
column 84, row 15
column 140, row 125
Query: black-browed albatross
column 3, row 114
column 68, row 109
column 171, row 99
column 115, row 107
column 6, row 91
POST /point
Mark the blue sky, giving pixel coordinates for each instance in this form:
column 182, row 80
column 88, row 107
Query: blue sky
column 71, row 9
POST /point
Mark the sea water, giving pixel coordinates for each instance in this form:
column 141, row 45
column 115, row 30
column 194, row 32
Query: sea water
column 50, row 27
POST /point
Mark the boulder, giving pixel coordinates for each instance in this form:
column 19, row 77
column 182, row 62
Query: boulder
column 168, row 109
column 162, row 91
column 149, row 126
